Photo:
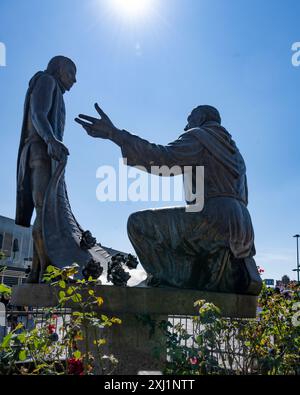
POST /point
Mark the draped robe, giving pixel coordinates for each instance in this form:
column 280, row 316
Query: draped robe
column 61, row 232
column 205, row 250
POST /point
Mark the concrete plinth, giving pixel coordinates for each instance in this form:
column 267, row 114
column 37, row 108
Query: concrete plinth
column 143, row 300
column 130, row 342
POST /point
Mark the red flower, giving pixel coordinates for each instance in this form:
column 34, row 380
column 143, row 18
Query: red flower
column 75, row 366
column 193, row 361
column 260, row 270
column 51, row 329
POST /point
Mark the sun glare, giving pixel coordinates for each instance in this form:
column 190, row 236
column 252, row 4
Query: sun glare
column 132, row 8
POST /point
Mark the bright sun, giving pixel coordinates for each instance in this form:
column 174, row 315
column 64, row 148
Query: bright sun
column 132, row 8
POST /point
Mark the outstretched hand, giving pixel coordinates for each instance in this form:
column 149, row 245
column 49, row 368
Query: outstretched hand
column 98, row 128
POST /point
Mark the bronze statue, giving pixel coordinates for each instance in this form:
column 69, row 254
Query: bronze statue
column 208, row 250
column 57, row 237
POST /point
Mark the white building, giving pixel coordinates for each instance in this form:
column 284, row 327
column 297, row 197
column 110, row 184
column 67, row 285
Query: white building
column 16, row 245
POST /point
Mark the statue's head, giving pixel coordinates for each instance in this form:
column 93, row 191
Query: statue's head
column 64, row 70
column 202, row 114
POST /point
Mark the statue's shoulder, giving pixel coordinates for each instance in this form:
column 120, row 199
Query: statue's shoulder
column 42, row 80
column 197, row 133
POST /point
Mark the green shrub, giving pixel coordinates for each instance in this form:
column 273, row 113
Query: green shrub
column 42, row 351
column 267, row 345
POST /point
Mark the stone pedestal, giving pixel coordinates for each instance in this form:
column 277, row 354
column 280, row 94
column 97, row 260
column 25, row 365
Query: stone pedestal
column 143, row 300
column 133, row 345
column 130, row 342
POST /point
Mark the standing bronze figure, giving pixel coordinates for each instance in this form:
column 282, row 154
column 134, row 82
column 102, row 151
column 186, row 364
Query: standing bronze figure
column 42, row 158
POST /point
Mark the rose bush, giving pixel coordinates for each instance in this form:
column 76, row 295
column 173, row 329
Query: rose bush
column 267, row 345
column 65, row 349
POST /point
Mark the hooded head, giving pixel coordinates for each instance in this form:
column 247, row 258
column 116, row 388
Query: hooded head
column 64, row 70
column 202, row 114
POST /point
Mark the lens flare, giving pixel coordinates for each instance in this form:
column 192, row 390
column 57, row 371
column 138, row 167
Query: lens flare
column 132, row 8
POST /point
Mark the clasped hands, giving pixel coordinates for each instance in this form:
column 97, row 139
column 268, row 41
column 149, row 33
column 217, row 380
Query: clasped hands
column 98, row 128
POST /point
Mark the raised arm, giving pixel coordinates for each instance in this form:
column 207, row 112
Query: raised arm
column 185, row 151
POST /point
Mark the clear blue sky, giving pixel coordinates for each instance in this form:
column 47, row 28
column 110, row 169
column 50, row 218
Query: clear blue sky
column 148, row 75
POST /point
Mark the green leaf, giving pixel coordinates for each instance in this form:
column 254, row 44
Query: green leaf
column 199, row 303
column 71, row 290
column 22, row 337
column 115, row 320
column 61, row 295
column 36, row 343
column 99, row 301
column 77, row 354
column 22, row 355
column 62, row 284
column 77, row 314
column 7, row 340
column 19, row 326
column 40, row 367
column 4, row 289
column 77, row 298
